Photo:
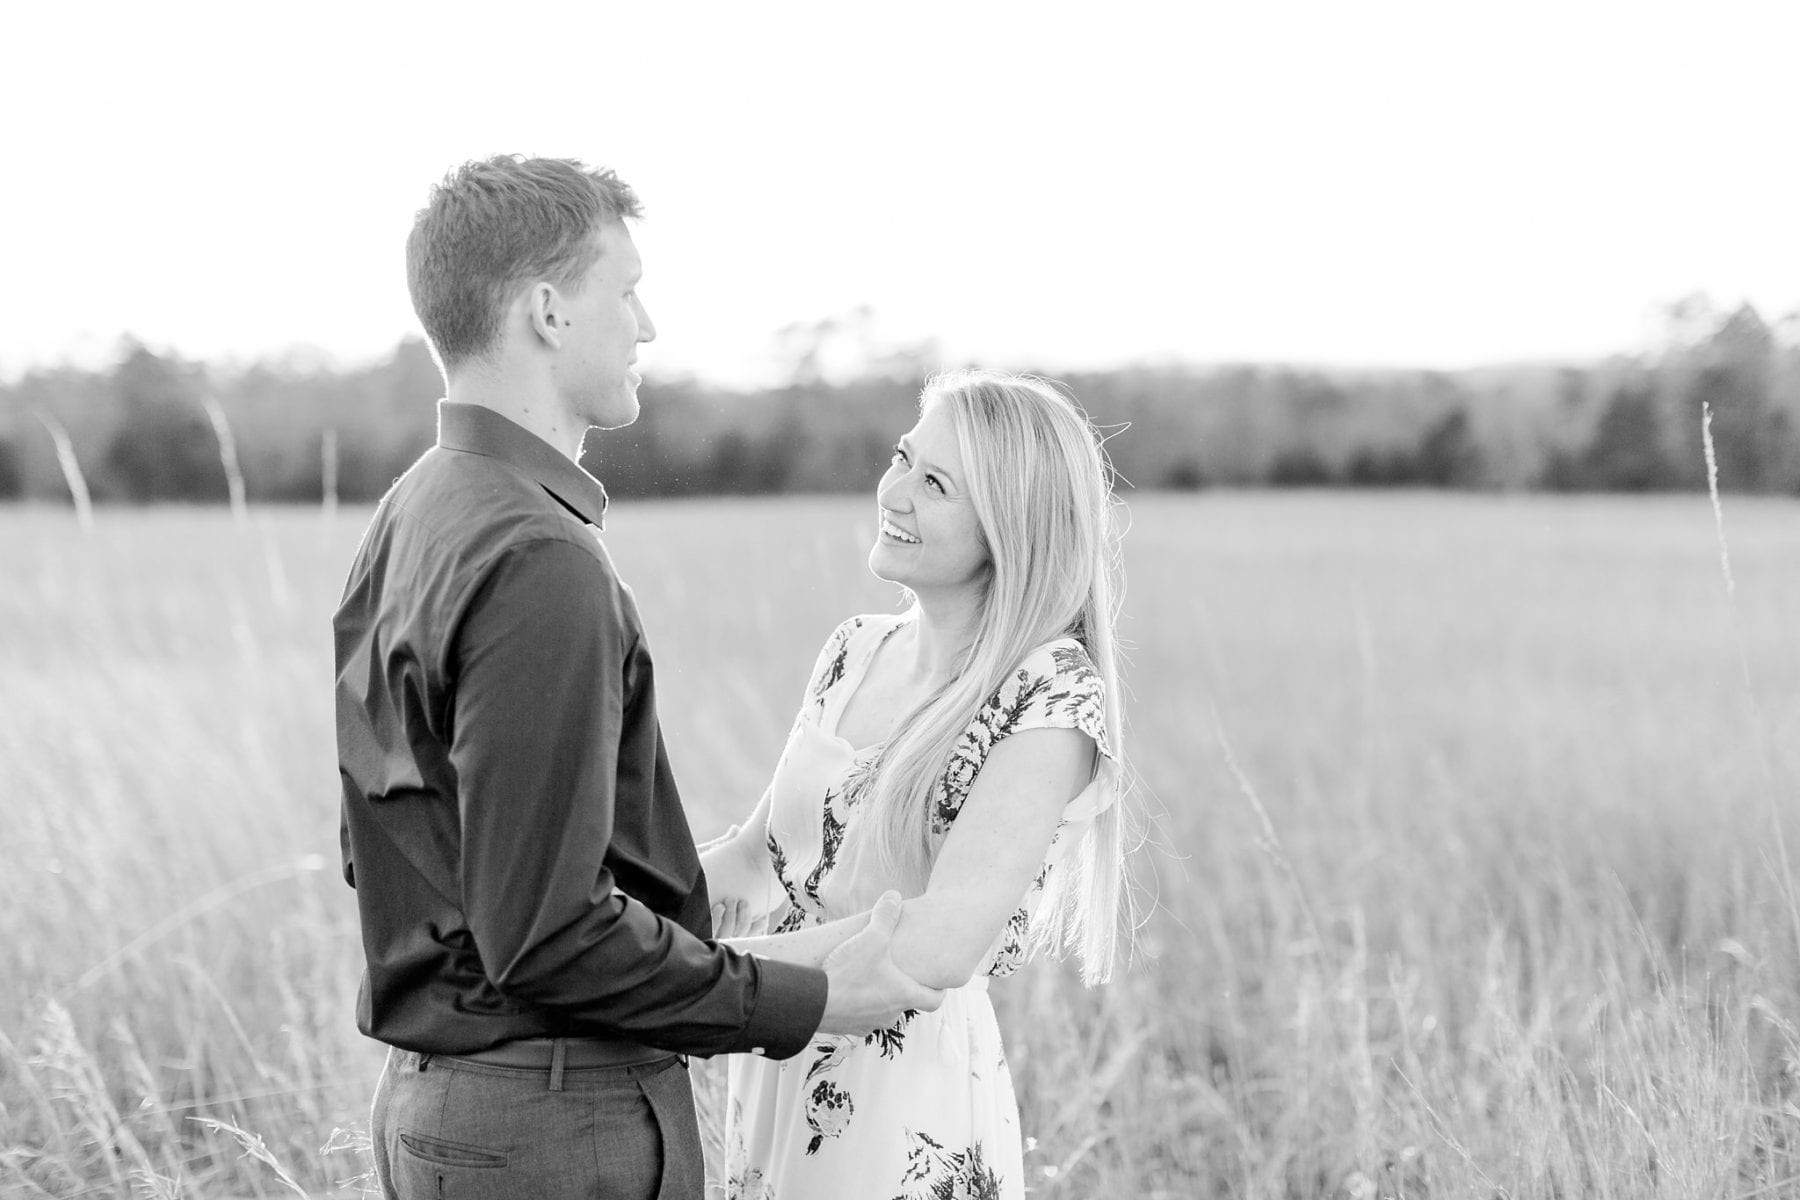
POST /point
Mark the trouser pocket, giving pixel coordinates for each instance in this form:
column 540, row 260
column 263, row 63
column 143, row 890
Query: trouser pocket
column 670, row 1094
column 449, row 1154
column 430, row 1168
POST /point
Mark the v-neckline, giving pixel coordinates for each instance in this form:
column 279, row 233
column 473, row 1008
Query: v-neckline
column 865, row 660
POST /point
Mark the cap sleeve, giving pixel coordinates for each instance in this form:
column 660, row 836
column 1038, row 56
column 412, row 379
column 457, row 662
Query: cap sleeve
column 830, row 665
column 1055, row 688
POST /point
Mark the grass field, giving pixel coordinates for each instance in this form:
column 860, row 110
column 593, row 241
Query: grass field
column 1465, row 872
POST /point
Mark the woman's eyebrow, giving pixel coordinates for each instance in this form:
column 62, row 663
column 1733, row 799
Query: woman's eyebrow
column 906, row 445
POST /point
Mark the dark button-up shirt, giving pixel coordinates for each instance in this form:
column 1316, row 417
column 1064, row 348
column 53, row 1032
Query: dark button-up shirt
column 521, row 859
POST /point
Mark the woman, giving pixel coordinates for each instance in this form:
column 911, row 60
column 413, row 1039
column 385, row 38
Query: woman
column 965, row 753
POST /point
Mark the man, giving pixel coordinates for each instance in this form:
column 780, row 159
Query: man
column 534, row 918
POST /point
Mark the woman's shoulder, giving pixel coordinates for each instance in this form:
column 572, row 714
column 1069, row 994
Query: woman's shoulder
column 1060, row 668
column 860, row 628
column 851, row 632
column 867, row 622
column 1063, row 661
column 1056, row 685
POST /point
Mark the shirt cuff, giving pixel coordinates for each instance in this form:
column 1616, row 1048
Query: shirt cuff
column 790, row 1003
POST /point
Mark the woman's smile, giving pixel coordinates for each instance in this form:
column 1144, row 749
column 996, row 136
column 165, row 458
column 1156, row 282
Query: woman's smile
column 895, row 533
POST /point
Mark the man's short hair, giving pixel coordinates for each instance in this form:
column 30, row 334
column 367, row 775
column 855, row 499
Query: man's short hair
column 496, row 225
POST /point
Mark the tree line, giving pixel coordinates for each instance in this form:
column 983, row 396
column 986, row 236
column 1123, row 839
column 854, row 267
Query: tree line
column 151, row 427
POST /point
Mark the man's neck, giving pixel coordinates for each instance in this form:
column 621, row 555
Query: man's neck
column 527, row 403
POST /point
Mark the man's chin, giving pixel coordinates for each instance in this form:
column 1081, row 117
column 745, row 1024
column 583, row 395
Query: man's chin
column 616, row 415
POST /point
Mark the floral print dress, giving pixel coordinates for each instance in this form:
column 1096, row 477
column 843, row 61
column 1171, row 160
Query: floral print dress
column 923, row 1108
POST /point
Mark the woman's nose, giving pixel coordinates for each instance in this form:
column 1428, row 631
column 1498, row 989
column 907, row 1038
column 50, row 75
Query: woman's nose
column 892, row 493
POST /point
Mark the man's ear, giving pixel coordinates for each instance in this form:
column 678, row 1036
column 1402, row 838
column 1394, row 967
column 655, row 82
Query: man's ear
column 545, row 309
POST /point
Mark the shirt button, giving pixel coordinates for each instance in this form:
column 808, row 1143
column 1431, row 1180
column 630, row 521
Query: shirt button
column 758, row 1050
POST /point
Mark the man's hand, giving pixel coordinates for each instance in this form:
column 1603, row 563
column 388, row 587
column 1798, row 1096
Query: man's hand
column 867, row 991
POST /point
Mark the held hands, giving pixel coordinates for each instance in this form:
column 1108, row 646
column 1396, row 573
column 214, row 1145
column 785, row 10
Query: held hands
column 867, row 991
column 739, row 891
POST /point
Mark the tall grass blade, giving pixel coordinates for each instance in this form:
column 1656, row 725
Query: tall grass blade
column 1786, row 883
column 254, row 1147
column 228, row 458
column 223, row 894
column 328, row 472
column 71, row 469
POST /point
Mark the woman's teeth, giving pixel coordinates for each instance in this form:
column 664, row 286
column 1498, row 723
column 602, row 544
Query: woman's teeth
column 898, row 534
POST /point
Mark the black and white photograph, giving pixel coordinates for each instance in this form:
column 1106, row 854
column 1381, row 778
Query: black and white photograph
column 957, row 601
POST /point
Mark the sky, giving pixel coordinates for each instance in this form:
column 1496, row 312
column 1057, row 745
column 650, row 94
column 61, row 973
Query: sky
column 1027, row 185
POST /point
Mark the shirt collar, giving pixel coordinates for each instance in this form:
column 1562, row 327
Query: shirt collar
column 480, row 430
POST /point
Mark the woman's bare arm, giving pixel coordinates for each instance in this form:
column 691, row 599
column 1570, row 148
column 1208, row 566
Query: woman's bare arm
column 806, row 947
column 983, row 870
column 992, row 854
column 740, row 876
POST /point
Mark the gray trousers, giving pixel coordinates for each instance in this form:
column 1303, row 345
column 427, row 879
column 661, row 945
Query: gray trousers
column 445, row 1129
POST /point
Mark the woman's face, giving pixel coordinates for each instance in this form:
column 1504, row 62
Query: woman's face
column 928, row 539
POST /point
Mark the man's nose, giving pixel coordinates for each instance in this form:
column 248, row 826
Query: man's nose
column 646, row 327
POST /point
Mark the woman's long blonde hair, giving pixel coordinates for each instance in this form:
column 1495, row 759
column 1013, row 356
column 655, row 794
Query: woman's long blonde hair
column 1041, row 489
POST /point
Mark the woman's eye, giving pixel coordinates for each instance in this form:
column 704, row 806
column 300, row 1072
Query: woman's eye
column 899, row 455
column 934, row 482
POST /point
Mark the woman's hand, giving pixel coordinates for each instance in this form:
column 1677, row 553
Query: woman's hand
column 740, row 881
